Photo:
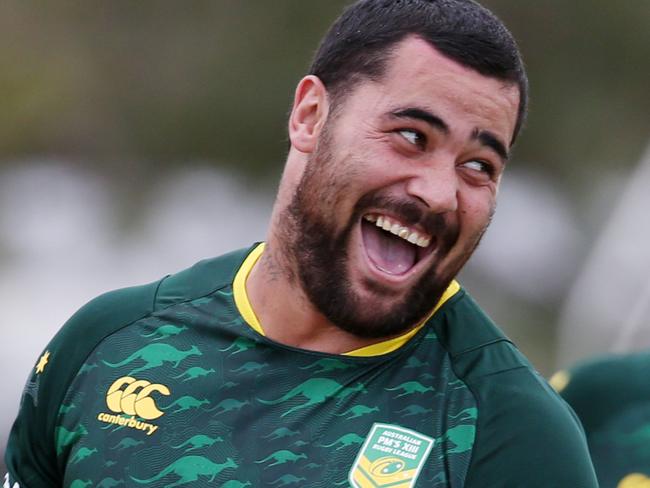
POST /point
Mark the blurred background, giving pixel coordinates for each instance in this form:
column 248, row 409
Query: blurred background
column 139, row 137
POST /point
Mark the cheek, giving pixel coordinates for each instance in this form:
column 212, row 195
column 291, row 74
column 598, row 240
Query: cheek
column 476, row 211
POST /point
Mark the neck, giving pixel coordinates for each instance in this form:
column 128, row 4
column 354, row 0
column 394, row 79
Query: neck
column 285, row 312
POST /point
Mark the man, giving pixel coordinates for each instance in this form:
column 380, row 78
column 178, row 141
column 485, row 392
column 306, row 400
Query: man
column 341, row 352
column 611, row 395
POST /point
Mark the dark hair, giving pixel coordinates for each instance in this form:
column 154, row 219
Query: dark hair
column 359, row 43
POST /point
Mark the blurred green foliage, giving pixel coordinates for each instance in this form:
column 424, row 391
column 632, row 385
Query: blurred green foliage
column 161, row 83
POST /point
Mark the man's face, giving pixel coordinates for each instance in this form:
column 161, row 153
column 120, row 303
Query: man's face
column 399, row 190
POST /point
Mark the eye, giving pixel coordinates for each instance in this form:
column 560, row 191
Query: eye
column 480, row 166
column 480, row 172
column 414, row 137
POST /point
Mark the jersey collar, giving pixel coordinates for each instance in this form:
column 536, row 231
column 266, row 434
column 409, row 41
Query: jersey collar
column 248, row 314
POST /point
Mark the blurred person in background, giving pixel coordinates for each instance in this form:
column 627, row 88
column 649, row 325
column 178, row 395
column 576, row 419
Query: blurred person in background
column 611, row 396
column 610, row 392
column 341, row 351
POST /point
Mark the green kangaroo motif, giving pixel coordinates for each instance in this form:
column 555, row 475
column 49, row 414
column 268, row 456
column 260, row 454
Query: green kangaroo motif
column 198, row 441
column 457, row 384
column 66, row 408
column 414, row 362
column 228, row 405
column 188, row 469
column 327, row 364
column 411, row 387
column 241, row 344
column 154, row 355
column 469, row 413
column 109, row 483
column 316, row 390
column 358, row 411
column 288, row 479
column 414, row 410
column 281, row 433
column 126, row 443
column 345, row 392
column 65, row 437
column 82, row 454
column 194, row 373
column 345, row 441
column 249, row 367
column 281, row 457
column 462, row 436
column 79, row 484
column 431, row 335
column 235, row 484
column 186, row 403
column 165, row 332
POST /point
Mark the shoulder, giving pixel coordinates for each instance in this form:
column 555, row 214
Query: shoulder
column 117, row 309
column 203, row 278
column 477, row 347
column 526, row 434
column 32, row 439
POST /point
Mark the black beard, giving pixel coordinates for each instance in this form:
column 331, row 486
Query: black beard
column 320, row 256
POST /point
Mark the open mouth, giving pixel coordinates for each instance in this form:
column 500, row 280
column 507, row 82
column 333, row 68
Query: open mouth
column 393, row 247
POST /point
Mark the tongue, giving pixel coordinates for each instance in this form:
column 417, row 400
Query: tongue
column 387, row 252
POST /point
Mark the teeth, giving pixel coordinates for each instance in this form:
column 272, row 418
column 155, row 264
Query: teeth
column 403, row 232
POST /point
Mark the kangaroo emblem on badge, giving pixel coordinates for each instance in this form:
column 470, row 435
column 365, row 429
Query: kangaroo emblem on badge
column 391, row 456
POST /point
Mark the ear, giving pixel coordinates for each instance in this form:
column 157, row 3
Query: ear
column 309, row 113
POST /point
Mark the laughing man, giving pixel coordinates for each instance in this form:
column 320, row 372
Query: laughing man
column 340, row 352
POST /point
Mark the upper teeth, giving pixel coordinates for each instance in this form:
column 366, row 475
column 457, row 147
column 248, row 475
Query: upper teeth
column 405, row 233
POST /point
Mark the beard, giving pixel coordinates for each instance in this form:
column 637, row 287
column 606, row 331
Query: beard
column 320, row 253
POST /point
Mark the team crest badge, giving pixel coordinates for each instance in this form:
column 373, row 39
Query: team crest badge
column 391, row 456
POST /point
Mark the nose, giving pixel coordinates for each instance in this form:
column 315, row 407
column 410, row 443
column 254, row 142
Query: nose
column 436, row 185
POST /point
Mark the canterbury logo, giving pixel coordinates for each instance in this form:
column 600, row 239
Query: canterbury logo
column 132, row 397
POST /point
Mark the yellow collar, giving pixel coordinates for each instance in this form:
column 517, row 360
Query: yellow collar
column 384, row 347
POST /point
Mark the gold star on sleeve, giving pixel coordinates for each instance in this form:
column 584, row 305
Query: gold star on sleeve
column 42, row 362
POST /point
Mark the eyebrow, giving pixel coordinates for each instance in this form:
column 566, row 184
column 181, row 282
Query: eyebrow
column 488, row 139
column 423, row 115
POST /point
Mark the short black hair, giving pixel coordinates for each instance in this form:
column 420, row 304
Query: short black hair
column 359, row 43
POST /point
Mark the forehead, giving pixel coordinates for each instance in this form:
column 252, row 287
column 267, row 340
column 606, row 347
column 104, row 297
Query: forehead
column 418, row 75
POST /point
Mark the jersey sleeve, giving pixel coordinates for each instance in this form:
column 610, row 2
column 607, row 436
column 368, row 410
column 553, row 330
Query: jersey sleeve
column 33, row 457
column 527, row 435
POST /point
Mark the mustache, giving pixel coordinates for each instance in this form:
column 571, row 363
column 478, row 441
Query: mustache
column 410, row 212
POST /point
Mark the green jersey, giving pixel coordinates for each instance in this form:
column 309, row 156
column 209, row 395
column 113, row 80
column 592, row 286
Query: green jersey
column 174, row 383
column 611, row 396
